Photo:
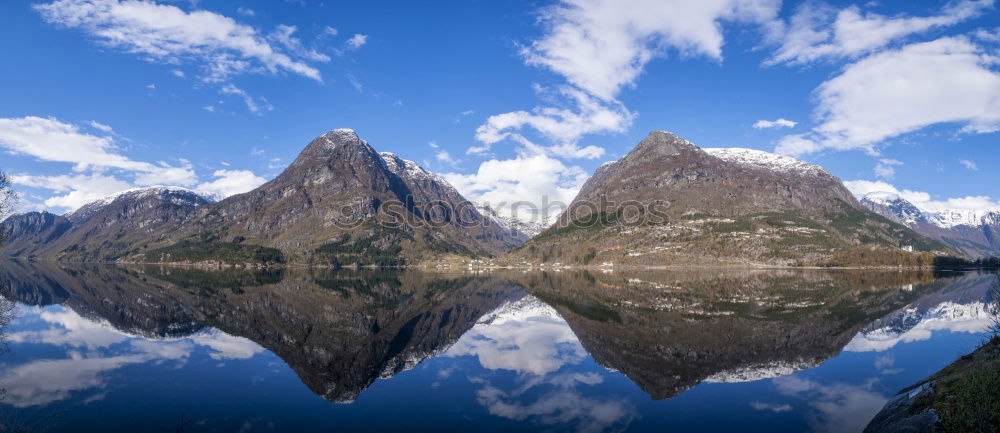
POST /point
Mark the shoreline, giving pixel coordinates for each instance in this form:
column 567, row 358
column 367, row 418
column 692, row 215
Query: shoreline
column 430, row 266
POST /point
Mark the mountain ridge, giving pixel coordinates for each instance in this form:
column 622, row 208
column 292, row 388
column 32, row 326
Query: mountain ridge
column 670, row 202
column 974, row 233
column 339, row 202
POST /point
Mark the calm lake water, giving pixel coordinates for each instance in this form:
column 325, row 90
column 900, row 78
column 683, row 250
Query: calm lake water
column 109, row 349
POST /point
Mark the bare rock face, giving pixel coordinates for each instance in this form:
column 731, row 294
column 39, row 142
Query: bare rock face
column 671, row 202
column 25, row 232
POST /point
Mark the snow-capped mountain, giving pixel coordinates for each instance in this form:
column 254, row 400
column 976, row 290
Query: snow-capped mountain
column 714, row 205
column 967, row 305
column 103, row 228
column 975, row 233
column 521, row 230
column 168, row 194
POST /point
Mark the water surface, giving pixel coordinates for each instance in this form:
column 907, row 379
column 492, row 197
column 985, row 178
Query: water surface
column 102, row 348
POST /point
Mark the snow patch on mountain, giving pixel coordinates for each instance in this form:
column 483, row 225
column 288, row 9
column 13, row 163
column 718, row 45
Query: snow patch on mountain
column 527, row 308
column 173, row 194
column 759, row 159
column 409, row 169
column 330, row 139
column 750, row 373
column 511, row 224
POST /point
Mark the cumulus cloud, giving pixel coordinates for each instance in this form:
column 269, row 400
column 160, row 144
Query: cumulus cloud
column 818, row 31
column 563, row 125
column 169, row 34
column 779, row 123
column 545, row 182
column 99, row 168
column 601, row 46
column 969, row 164
column 73, row 191
column 922, row 199
column 92, row 156
column 948, row 80
column 50, row 139
column 836, row 407
column 230, row 182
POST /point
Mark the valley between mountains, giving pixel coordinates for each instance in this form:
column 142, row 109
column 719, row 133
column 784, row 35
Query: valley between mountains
column 667, row 202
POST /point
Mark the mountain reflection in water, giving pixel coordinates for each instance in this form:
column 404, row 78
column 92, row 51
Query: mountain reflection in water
column 565, row 351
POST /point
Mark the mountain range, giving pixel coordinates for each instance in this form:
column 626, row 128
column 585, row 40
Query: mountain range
column 341, row 202
column 974, row 233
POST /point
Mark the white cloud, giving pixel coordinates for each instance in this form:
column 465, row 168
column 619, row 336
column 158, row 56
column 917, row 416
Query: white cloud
column 602, row 45
column 773, row 407
column 444, row 156
column 330, row 31
column 563, row 125
column 168, row 34
column 177, row 73
column 886, row 168
column 73, row 190
column 948, row 80
column 357, row 41
column 779, row 123
column 971, row 165
column 230, row 182
column 837, row 407
column 922, row 199
column 225, row 346
column 246, row 11
column 817, row 31
column 97, row 164
column 251, row 104
column 50, row 139
column 538, row 179
column 101, row 127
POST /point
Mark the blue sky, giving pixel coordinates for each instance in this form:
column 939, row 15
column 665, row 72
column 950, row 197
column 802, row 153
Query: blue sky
column 508, row 100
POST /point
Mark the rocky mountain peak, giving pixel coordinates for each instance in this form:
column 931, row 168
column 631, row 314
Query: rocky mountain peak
column 662, row 143
column 339, row 136
column 335, row 144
